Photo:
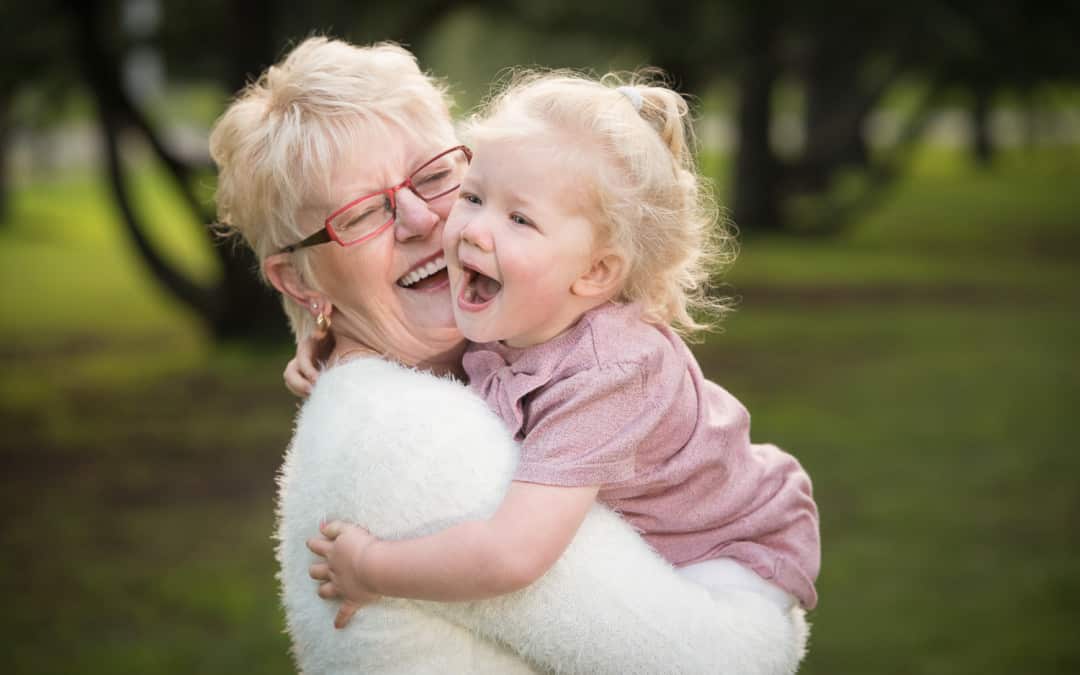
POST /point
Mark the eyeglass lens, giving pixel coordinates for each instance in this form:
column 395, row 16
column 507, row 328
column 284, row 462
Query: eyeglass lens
column 434, row 179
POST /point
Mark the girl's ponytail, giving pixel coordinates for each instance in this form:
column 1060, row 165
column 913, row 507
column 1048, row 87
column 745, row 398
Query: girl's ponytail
column 669, row 114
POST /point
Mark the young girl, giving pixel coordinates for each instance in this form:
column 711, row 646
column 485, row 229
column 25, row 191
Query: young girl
column 576, row 253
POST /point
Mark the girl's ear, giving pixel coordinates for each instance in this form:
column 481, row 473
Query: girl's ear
column 604, row 277
column 279, row 269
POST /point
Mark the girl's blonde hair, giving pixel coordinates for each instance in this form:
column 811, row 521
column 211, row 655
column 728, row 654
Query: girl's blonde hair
column 277, row 145
column 631, row 139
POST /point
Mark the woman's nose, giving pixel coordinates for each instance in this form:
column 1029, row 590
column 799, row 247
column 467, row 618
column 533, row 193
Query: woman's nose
column 414, row 219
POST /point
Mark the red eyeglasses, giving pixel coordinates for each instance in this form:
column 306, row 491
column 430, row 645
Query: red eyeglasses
column 365, row 218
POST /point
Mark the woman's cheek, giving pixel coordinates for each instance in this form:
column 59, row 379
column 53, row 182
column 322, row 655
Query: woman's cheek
column 452, row 226
column 445, row 206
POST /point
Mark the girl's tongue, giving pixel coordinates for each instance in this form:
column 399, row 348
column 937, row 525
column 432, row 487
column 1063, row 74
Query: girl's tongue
column 482, row 288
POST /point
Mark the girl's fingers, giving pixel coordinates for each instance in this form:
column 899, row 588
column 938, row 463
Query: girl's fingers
column 307, row 353
column 320, row 546
column 319, row 572
column 328, row 590
column 332, row 529
column 307, row 368
column 345, row 614
column 295, row 381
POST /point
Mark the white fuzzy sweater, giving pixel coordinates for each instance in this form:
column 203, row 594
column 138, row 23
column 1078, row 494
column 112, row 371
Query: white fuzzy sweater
column 404, row 453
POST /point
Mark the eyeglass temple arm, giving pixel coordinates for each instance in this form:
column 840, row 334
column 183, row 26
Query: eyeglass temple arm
column 320, row 237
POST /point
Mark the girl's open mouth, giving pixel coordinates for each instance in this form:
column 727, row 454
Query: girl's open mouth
column 478, row 290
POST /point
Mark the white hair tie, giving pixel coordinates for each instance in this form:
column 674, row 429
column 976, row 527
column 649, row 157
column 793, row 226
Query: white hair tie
column 633, row 95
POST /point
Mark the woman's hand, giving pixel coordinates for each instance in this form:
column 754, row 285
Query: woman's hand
column 302, row 370
column 344, row 546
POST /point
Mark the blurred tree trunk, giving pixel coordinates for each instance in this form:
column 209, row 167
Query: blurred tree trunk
column 841, row 91
column 981, row 105
column 239, row 306
column 756, row 189
column 6, row 122
column 251, row 48
column 248, row 308
column 834, row 115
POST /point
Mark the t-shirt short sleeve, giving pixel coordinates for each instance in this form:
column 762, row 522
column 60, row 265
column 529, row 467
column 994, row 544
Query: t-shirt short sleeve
column 585, row 429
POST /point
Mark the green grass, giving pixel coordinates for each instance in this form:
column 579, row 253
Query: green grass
column 936, row 437
column 923, row 368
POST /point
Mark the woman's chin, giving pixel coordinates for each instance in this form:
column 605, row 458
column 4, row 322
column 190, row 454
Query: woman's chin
column 429, row 304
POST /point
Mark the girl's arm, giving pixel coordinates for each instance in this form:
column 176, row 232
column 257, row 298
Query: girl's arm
column 469, row 561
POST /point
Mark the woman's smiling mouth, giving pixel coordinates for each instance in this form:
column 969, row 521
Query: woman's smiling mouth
column 427, row 276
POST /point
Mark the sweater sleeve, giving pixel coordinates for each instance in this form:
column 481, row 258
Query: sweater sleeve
column 612, row 606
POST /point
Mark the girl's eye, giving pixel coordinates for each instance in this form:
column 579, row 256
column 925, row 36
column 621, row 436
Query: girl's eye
column 520, row 220
column 469, row 197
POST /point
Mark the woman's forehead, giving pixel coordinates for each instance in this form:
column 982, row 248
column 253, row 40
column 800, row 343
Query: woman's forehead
column 354, row 156
column 378, row 162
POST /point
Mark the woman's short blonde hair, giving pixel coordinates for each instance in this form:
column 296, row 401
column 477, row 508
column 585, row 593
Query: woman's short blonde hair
column 630, row 138
column 277, row 144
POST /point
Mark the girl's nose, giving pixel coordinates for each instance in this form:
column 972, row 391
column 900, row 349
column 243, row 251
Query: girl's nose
column 415, row 219
column 478, row 235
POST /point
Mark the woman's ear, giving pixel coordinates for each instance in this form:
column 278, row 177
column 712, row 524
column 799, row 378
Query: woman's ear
column 283, row 276
column 604, row 276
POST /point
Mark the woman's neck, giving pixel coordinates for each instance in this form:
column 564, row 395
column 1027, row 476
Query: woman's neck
column 446, row 363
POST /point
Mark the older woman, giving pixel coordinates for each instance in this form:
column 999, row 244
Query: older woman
column 338, row 167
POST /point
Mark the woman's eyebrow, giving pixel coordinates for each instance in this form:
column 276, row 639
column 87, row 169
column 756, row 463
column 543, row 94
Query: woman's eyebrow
column 362, row 191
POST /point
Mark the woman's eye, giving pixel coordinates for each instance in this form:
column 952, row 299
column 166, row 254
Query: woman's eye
column 435, row 177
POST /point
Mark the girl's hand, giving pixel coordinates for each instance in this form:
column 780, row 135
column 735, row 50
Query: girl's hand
column 344, row 547
column 302, row 370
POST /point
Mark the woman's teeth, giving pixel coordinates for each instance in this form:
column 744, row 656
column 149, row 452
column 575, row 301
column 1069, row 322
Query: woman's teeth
column 424, row 272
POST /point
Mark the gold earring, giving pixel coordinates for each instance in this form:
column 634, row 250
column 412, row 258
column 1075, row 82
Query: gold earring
column 323, row 322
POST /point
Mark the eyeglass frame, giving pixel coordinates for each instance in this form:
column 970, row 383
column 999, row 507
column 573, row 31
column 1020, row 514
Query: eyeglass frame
column 327, row 234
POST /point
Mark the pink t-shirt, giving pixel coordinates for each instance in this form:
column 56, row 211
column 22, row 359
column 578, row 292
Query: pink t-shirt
column 622, row 404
